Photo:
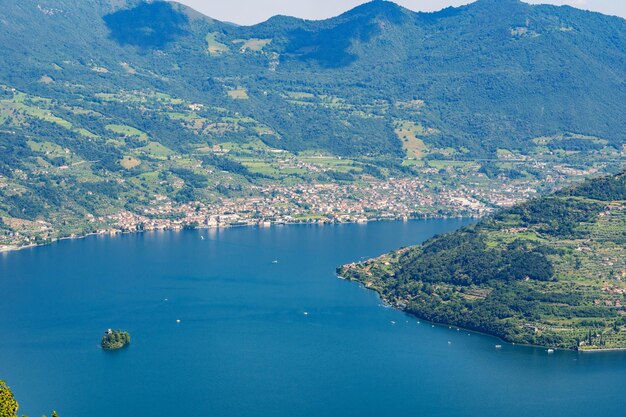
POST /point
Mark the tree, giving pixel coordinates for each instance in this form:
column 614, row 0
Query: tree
column 8, row 404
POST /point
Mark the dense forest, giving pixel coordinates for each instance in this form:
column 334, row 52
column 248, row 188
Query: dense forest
column 547, row 272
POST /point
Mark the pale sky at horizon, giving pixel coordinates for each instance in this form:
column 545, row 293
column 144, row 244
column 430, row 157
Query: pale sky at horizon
column 247, row 12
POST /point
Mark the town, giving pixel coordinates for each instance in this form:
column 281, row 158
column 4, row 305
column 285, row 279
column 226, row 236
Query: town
column 354, row 202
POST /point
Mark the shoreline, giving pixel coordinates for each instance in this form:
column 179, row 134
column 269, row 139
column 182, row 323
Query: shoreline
column 601, row 350
column 13, row 248
column 450, row 325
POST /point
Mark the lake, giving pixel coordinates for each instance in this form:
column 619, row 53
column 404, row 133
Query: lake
column 266, row 329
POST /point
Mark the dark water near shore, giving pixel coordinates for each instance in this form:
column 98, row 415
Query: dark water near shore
column 244, row 346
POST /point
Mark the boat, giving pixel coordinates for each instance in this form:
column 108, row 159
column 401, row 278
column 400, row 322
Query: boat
column 498, row 346
column 550, row 350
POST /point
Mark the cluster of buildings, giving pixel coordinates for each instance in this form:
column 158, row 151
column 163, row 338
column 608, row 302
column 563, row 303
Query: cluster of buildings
column 272, row 203
column 393, row 199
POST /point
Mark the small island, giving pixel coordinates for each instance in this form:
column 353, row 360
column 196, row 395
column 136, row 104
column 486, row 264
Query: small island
column 115, row 339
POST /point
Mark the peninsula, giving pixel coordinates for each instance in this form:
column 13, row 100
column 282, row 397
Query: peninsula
column 548, row 272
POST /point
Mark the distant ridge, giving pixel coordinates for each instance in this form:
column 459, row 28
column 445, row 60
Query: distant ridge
column 492, row 74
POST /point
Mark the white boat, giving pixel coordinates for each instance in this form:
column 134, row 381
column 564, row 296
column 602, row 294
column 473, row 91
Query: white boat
column 498, row 346
column 550, row 350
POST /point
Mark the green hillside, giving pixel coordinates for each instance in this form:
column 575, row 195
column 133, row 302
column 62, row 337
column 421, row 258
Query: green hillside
column 493, row 74
column 110, row 106
column 547, row 272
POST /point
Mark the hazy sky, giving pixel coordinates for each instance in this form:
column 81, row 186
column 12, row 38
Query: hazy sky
column 246, row 12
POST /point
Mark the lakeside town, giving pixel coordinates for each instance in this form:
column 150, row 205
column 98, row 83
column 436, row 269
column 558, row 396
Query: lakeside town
column 392, row 199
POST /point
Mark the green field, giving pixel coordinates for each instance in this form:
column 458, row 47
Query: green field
column 214, row 47
column 127, row 131
column 238, row 94
column 410, row 135
column 253, row 44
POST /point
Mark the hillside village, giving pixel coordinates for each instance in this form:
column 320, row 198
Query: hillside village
column 393, row 199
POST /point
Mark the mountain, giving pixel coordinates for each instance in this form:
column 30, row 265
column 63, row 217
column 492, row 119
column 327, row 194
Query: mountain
column 493, row 74
column 111, row 105
column 547, row 272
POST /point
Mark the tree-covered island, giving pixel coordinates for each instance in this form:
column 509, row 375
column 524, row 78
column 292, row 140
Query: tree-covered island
column 115, row 339
column 548, row 272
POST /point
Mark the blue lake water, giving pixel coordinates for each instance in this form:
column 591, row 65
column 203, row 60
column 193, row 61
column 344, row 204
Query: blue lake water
column 245, row 347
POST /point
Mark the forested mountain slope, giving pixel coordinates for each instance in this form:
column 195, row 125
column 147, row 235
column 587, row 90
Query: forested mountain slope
column 547, row 272
column 493, row 74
